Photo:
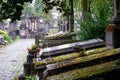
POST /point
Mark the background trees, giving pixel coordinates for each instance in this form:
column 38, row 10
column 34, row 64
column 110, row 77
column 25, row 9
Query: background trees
column 96, row 20
column 11, row 9
column 95, row 13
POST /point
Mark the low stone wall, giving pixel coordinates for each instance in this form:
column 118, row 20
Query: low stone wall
column 70, row 48
column 67, row 65
column 64, row 35
column 105, row 71
column 57, row 42
column 55, row 39
column 80, row 62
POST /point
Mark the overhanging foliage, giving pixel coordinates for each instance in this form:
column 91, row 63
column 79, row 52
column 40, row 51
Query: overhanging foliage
column 11, row 9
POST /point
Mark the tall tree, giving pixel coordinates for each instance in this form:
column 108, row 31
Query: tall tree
column 28, row 9
column 11, row 9
column 85, row 8
column 96, row 20
column 71, row 16
column 38, row 5
column 66, row 7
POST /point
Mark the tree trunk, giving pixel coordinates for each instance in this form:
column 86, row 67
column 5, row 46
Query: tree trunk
column 85, row 7
column 71, row 16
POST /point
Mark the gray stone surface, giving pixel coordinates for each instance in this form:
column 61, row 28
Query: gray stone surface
column 12, row 58
column 70, row 47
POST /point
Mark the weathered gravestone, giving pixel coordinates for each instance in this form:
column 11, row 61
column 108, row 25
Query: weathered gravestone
column 2, row 41
column 113, row 29
column 60, row 38
column 80, row 62
column 68, row 48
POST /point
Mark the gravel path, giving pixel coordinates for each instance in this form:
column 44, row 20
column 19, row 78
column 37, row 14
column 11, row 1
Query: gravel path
column 12, row 58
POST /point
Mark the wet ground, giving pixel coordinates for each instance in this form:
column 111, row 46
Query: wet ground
column 12, row 58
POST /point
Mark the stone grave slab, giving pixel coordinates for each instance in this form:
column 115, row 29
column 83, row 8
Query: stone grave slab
column 67, row 48
column 81, row 62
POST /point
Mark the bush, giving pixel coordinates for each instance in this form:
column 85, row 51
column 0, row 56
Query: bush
column 30, row 78
column 52, row 31
column 6, row 37
column 94, row 26
column 88, row 28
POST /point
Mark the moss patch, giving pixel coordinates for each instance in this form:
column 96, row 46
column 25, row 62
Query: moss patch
column 57, row 59
column 60, row 36
column 86, row 61
column 70, row 56
column 86, row 72
column 97, row 50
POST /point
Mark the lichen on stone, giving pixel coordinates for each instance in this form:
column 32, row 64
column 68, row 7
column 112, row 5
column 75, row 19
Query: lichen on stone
column 86, row 72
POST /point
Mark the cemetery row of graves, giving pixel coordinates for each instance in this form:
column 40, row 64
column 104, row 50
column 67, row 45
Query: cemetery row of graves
column 61, row 57
column 72, row 60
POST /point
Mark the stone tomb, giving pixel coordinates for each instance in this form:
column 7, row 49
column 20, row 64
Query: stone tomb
column 112, row 36
column 68, row 48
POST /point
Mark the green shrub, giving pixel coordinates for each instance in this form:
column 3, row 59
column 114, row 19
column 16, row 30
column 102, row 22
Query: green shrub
column 52, row 31
column 94, row 26
column 30, row 78
column 88, row 28
column 6, row 37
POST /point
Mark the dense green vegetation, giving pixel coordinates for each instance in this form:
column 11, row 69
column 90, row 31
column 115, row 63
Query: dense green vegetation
column 6, row 37
column 11, row 9
column 95, row 21
column 95, row 13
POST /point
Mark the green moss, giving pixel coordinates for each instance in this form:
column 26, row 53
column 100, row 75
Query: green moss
column 6, row 37
column 57, row 59
column 88, row 59
column 86, row 72
column 97, row 50
column 61, row 36
column 71, row 56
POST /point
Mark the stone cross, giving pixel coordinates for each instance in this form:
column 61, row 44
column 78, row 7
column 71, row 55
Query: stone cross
column 113, row 29
column 116, row 5
column 116, row 16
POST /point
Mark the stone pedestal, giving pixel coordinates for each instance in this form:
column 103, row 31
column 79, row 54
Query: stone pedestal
column 37, row 40
column 112, row 36
column 40, row 71
column 22, row 77
column 113, row 29
column 27, row 69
